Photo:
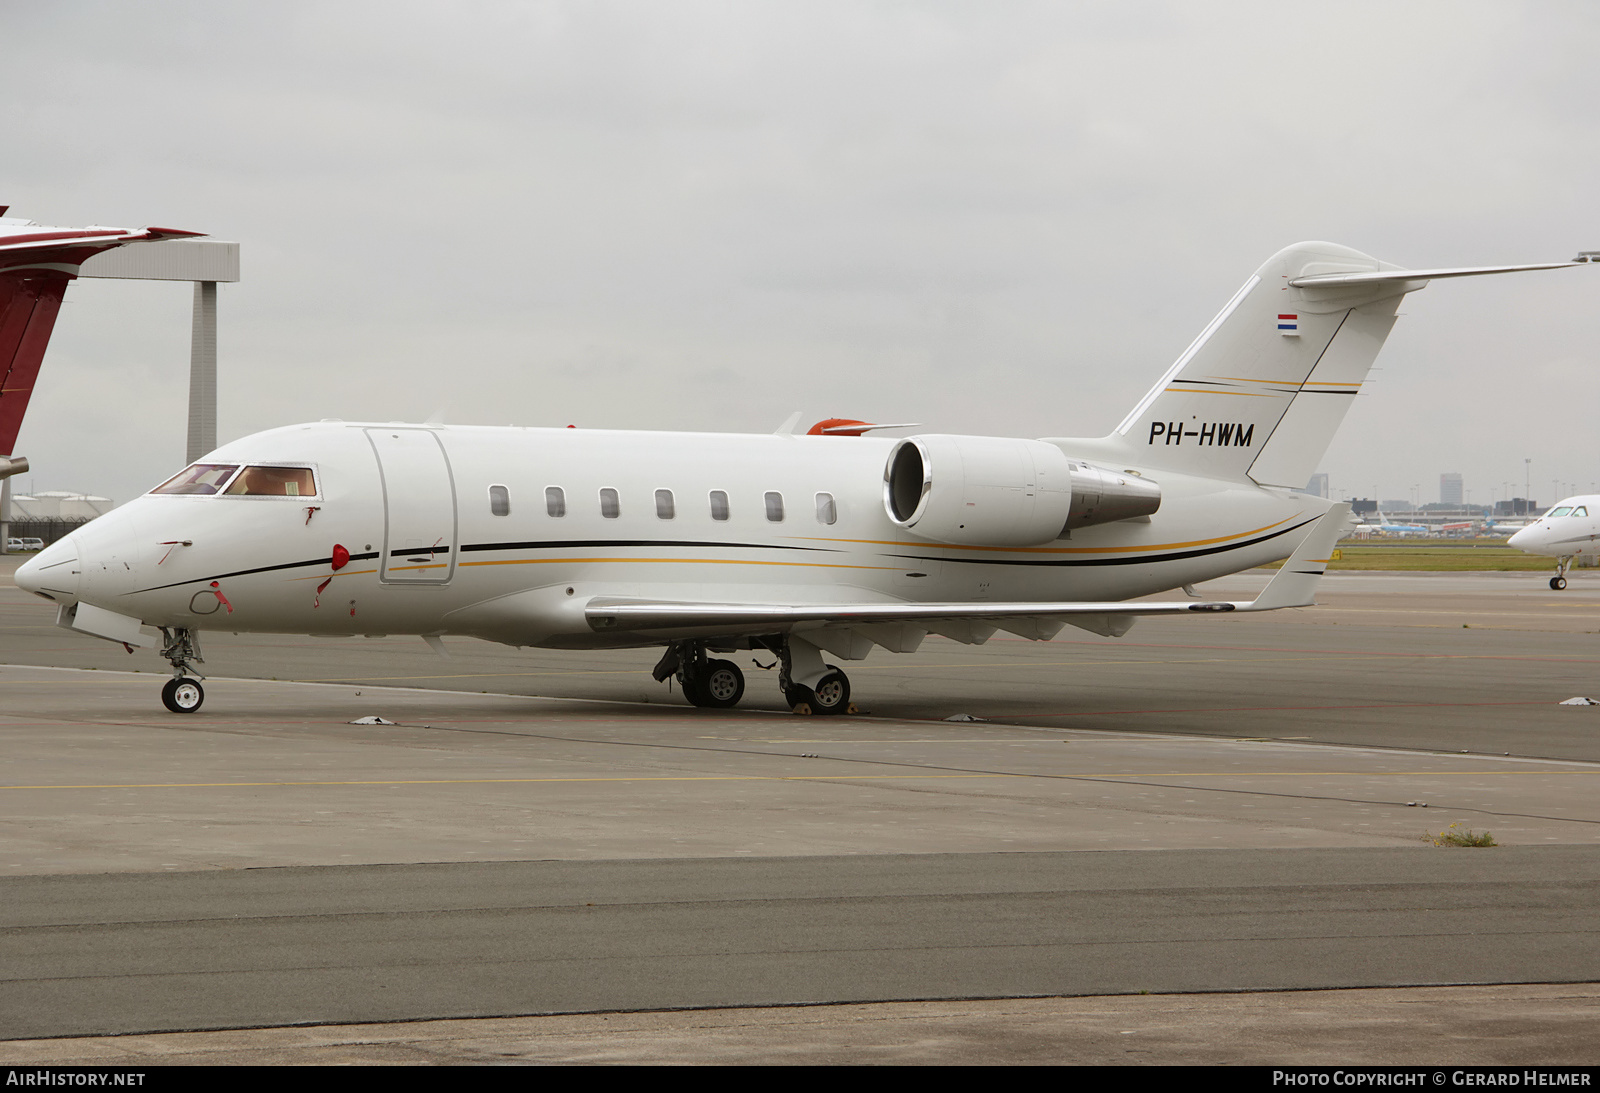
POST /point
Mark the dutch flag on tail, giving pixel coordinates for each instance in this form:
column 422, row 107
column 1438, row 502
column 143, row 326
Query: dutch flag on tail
column 1289, row 325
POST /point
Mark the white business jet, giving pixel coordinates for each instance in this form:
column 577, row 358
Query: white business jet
column 1571, row 529
column 810, row 547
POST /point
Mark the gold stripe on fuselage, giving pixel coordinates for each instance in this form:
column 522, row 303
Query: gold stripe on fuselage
column 1057, row 550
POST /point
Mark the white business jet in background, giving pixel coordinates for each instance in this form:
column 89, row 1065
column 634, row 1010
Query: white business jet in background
column 811, row 547
column 1571, row 529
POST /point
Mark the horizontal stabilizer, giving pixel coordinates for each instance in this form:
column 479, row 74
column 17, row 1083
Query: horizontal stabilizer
column 1395, row 276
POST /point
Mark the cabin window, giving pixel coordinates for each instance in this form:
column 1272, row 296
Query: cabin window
column 274, row 482
column 827, row 513
column 610, row 506
column 719, row 505
column 202, row 478
column 555, row 501
column 665, row 508
column 775, row 506
column 499, row 501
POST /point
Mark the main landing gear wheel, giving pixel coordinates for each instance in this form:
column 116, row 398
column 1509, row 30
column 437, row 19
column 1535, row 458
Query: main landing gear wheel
column 831, row 695
column 1558, row 583
column 183, row 695
column 718, row 686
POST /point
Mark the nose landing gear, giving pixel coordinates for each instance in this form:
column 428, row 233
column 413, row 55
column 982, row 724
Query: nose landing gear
column 182, row 695
column 1559, row 581
column 181, row 647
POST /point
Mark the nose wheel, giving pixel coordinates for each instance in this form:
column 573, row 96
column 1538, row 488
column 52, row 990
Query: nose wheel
column 183, row 695
column 1559, row 581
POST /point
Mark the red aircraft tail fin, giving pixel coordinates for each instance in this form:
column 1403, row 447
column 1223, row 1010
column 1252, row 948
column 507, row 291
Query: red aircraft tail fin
column 28, row 306
column 36, row 263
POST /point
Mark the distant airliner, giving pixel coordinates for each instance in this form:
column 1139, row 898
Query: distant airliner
column 796, row 545
column 1385, row 526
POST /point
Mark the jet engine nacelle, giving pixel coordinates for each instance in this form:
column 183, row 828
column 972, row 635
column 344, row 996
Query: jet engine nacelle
column 998, row 491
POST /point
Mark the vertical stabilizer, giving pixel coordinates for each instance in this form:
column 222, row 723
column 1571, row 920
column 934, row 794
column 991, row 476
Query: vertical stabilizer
column 36, row 262
column 1260, row 392
column 28, row 307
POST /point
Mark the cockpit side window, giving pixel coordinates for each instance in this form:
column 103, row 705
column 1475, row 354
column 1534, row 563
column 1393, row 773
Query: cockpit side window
column 1581, row 510
column 200, row 479
column 274, row 482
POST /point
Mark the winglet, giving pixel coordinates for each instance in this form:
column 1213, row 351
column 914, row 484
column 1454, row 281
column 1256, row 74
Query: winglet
column 1295, row 584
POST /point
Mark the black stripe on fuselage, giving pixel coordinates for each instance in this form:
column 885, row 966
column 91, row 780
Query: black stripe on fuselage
column 571, row 544
column 258, row 569
column 568, row 544
column 547, row 544
column 1064, row 562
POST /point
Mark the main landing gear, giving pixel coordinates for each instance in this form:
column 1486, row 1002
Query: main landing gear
column 719, row 684
column 182, row 649
column 716, row 684
column 1559, row 581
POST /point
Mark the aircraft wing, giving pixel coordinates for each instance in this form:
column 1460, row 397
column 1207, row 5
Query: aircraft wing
column 1293, row 586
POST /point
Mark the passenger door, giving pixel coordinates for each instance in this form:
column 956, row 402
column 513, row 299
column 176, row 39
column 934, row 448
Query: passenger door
column 419, row 506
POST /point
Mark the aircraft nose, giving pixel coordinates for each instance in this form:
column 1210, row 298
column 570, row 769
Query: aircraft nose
column 1519, row 535
column 53, row 573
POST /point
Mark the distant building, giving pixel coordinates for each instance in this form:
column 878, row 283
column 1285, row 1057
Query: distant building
column 1318, row 486
column 1363, row 506
column 52, row 514
column 59, row 505
column 1450, row 489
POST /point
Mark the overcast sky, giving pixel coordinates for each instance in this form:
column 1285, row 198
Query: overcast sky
column 1002, row 218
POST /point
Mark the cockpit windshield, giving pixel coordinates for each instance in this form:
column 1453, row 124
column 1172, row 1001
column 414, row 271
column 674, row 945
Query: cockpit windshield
column 250, row 481
column 1562, row 511
column 202, row 478
column 274, row 482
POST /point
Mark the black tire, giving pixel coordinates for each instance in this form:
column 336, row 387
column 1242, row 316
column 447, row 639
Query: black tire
column 183, row 695
column 720, row 686
column 1558, row 583
column 831, row 695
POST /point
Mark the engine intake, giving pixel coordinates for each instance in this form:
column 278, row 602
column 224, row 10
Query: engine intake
column 998, row 491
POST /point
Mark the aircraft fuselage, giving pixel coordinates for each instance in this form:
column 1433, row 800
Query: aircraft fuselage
column 450, row 530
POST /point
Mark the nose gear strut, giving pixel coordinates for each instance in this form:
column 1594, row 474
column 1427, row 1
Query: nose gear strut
column 181, row 646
